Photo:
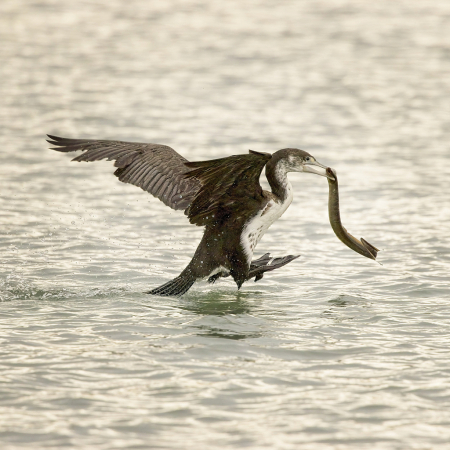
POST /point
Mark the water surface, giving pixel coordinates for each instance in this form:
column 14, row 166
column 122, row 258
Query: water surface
column 332, row 351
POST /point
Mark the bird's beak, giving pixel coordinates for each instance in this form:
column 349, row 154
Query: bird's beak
column 321, row 169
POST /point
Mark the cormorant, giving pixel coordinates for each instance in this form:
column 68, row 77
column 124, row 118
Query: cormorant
column 223, row 195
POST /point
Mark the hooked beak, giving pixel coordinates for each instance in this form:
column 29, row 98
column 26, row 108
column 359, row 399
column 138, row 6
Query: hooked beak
column 321, row 170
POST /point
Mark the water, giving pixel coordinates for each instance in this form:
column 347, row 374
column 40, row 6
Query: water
column 332, row 351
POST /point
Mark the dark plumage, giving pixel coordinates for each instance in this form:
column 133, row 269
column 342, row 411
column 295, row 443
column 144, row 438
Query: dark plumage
column 223, row 195
column 157, row 169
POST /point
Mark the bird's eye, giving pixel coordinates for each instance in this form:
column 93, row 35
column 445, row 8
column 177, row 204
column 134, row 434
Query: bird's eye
column 307, row 158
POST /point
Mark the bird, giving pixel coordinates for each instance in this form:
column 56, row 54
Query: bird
column 223, row 195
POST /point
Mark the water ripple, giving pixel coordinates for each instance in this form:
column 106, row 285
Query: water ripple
column 332, row 352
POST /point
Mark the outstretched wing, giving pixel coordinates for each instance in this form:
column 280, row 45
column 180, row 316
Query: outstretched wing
column 157, row 169
column 229, row 187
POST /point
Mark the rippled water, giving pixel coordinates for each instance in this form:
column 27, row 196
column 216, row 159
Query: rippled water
column 332, row 351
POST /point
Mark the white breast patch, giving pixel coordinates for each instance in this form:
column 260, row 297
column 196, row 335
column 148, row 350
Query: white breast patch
column 256, row 227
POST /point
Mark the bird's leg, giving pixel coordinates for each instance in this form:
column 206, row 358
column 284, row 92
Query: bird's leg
column 212, row 279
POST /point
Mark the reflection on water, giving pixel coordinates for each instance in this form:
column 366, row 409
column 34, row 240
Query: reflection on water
column 340, row 302
column 331, row 351
column 232, row 310
column 226, row 333
column 218, row 303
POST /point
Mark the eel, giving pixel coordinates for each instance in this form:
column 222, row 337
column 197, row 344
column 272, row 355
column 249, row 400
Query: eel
column 359, row 246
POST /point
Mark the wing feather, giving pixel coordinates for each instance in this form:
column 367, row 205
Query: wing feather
column 164, row 188
column 159, row 184
column 229, row 188
column 153, row 182
column 141, row 173
column 157, row 169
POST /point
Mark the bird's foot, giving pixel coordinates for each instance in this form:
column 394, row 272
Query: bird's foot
column 266, row 263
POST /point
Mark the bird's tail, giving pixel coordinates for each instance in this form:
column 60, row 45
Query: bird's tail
column 176, row 287
column 267, row 263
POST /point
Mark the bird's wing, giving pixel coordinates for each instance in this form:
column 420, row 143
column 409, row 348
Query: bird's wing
column 229, row 187
column 157, row 169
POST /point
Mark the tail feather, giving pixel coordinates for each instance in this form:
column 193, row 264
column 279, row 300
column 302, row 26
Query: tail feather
column 176, row 287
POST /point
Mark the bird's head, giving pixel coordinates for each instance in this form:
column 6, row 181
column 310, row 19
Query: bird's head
column 296, row 160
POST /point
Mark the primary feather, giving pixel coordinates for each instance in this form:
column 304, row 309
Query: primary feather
column 157, row 169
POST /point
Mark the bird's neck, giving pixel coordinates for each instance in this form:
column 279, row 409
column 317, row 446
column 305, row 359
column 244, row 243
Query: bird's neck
column 276, row 174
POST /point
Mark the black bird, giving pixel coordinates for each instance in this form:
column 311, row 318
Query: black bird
column 223, row 195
